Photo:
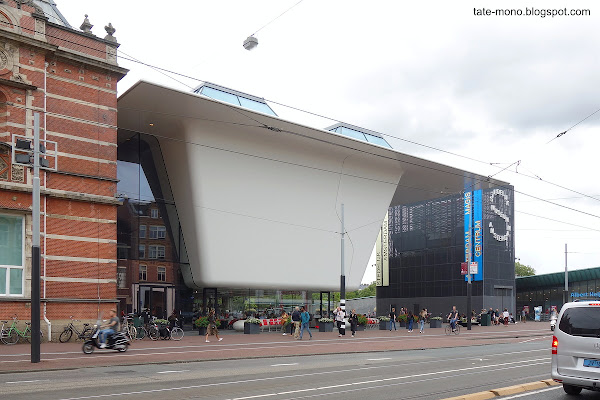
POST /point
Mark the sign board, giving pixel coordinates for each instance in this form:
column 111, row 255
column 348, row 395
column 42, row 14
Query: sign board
column 464, row 268
column 382, row 256
column 473, row 268
column 526, row 309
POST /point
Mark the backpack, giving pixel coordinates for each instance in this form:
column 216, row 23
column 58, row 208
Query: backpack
column 310, row 316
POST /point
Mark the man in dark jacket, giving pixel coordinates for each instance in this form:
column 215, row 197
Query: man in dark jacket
column 296, row 321
column 393, row 319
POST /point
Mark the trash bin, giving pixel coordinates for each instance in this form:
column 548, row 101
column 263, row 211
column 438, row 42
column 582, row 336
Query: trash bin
column 486, row 320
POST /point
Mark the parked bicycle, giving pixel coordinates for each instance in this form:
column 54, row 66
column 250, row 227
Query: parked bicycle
column 67, row 333
column 128, row 328
column 12, row 334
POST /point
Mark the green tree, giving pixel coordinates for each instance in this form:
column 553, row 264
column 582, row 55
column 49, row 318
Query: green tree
column 523, row 270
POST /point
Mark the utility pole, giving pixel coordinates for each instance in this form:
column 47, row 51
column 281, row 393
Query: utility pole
column 35, row 247
column 566, row 296
column 343, row 272
column 469, row 291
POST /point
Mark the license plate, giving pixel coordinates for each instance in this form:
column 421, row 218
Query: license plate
column 591, row 363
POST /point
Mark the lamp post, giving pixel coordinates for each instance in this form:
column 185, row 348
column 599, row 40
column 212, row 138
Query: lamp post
column 22, row 154
column 566, row 292
column 343, row 272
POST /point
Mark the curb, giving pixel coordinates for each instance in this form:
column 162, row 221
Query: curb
column 506, row 391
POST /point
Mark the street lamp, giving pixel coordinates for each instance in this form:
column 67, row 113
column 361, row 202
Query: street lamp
column 250, row 43
column 22, row 154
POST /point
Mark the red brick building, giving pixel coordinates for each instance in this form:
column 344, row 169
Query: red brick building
column 69, row 76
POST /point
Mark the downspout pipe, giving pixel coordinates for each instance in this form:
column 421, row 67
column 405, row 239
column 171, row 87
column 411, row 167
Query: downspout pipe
column 45, row 210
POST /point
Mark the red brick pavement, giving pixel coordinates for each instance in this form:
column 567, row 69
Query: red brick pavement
column 236, row 345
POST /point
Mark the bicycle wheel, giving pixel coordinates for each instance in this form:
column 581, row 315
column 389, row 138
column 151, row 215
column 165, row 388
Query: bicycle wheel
column 177, row 333
column 448, row 330
column 153, row 333
column 457, row 330
column 27, row 335
column 131, row 332
column 11, row 337
column 141, row 333
column 65, row 336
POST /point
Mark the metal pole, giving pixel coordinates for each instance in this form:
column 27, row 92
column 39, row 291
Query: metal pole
column 35, row 247
column 566, row 278
column 469, row 290
column 343, row 273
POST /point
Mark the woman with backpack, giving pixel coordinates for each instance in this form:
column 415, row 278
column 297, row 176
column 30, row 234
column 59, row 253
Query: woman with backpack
column 410, row 320
column 353, row 319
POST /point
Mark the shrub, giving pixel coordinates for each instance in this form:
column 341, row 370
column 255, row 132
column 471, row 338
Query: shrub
column 436, row 318
column 362, row 320
column 161, row 321
column 402, row 318
column 383, row 318
column 202, row 322
column 325, row 320
column 253, row 321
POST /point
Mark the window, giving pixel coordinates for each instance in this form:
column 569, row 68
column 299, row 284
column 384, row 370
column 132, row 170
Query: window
column 122, row 252
column 155, row 252
column 11, row 255
column 143, row 272
column 157, row 232
column 153, row 213
column 581, row 321
column 162, row 274
column 141, row 251
column 121, row 278
column 142, row 231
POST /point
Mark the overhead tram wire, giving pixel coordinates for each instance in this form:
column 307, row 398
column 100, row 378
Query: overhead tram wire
column 276, row 18
column 329, row 118
column 559, row 221
column 332, row 119
column 564, row 132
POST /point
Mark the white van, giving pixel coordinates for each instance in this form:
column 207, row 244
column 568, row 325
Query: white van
column 576, row 347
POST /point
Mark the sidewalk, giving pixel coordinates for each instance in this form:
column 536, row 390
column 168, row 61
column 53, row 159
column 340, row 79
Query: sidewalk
column 266, row 344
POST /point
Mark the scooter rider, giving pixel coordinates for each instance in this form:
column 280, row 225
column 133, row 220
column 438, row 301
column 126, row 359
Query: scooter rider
column 109, row 328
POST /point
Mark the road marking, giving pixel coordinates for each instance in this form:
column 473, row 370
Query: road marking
column 530, row 393
column 379, row 359
column 172, row 372
column 283, row 365
column 471, row 370
column 539, row 338
column 35, row 380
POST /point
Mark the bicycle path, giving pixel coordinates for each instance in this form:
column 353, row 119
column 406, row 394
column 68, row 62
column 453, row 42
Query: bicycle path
column 266, row 344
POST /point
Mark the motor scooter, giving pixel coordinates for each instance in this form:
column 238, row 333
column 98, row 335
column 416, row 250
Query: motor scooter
column 552, row 322
column 117, row 341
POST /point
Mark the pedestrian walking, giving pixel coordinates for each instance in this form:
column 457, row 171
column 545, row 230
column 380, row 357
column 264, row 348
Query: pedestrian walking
column 505, row 317
column 410, row 320
column 339, row 319
column 285, row 322
column 212, row 326
column 305, row 321
column 523, row 315
column 296, row 320
column 393, row 319
column 353, row 319
column 422, row 318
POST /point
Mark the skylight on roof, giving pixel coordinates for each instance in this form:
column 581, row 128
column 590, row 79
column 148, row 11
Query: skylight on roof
column 236, row 98
column 355, row 133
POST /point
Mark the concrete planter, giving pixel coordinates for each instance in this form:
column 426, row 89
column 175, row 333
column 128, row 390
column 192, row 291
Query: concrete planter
column 325, row 326
column 402, row 324
column 202, row 330
column 384, row 325
column 360, row 328
column 251, row 329
column 435, row 323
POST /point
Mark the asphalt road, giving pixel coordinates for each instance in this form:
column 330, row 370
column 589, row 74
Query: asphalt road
column 423, row 374
column 553, row 393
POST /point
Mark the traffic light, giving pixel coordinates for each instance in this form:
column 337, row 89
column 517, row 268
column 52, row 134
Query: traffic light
column 22, row 152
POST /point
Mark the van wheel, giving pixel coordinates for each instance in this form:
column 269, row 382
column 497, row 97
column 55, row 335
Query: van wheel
column 570, row 389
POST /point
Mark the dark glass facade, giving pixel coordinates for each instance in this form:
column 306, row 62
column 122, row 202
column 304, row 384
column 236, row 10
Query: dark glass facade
column 427, row 247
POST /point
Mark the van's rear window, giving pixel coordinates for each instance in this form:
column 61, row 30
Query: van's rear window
column 581, row 321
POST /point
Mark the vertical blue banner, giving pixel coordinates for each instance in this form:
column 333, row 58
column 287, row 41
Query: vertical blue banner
column 478, row 233
column 468, row 223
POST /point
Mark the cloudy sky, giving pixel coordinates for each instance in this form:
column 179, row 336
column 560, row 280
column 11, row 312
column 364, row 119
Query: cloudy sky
column 493, row 88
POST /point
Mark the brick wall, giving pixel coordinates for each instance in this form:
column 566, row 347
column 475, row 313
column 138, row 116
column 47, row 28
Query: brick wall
column 78, row 206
